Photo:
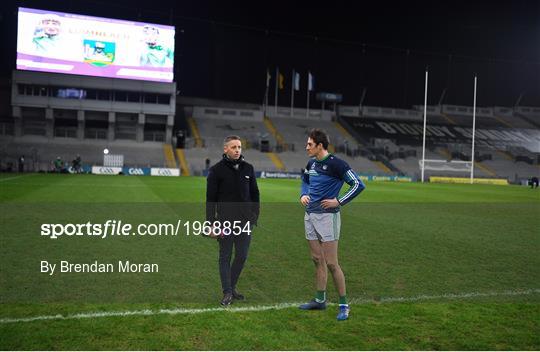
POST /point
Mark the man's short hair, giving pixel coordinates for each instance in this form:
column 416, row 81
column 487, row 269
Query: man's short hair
column 319, row 136
column 231, row 138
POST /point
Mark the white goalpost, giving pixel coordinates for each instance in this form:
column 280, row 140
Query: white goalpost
column 473, row 130
column 447, row 165
column 423, row 163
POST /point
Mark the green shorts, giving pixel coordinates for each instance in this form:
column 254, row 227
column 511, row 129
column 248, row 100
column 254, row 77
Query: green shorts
column 323, row 227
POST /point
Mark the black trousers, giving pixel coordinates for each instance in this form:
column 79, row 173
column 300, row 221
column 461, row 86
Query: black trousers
column 228, row 273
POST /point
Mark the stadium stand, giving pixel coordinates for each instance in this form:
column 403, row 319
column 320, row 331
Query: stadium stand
column 286, row 138
column 214, row 123
column 373, row 140
column 196, row 159
column 529, row 114
column 40, row 153
column 294, row 131
column 507, row 145
column 511, row 169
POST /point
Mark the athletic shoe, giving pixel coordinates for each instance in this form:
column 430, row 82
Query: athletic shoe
column 237, row 295
column 343, row 313
column 313, row 304
column 227, row 299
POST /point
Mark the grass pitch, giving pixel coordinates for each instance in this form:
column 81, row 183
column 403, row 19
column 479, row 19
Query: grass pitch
column 464, row 260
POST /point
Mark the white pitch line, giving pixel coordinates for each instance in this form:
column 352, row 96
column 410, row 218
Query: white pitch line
column 175, row 311
column 149, row 312
column 446, row 296
column 11, row 178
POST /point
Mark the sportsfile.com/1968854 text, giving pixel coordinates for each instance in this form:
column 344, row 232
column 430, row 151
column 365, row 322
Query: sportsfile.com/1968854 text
column 120, row 228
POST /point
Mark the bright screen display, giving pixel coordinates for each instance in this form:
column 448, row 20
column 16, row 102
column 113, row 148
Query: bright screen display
column 93, row 46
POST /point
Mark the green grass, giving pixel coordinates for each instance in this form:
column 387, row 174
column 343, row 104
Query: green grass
column 398, row 240
column 441, row 326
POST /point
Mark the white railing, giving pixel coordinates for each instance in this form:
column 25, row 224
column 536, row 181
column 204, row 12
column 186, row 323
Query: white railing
column 353, row 111
column 503, row 111
column 381, row 112
column 529, row 111
column 430, row 110
column 202, row 112
column 467, row 111
column 300, row 113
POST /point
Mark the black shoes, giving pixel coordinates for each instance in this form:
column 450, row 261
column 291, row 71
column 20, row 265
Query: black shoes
column 227, row 299
column 238, row 296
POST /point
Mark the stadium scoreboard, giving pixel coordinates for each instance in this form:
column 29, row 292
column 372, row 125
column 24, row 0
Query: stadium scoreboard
column 58, row 42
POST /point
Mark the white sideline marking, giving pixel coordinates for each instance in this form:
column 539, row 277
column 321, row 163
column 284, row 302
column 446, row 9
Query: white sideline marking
column 148, row 312
column 11, row 178
column 445, row 296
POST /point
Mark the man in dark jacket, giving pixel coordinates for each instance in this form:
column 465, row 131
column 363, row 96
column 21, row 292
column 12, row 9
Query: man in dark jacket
column 232, row 207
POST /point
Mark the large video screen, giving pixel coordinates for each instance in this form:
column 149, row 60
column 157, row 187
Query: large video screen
column 93, row 46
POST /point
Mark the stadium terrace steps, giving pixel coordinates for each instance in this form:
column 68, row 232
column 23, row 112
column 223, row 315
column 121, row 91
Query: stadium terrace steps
column 293, row 161
column 511, row 170
column 273, row 130
column 486, row 168
column 383, row 167
column 296, row 131
column 259, row 160
column 364, row 165
column 408, row 166
column 344, row 132
column 448, row 119
column 195, row 131
column 184, row 168
column 169, row 156
column 445, row 153
column 277, row 161
column 195, row 159
column 213, row 131
column 530, row 121
column 505, row 155
column 503, row 121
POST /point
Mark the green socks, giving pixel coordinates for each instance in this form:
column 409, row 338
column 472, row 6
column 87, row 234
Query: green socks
column 342, row 300
column 320, row 297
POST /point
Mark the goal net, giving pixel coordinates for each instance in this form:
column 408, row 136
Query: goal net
column 446, row 167
column 113, row 160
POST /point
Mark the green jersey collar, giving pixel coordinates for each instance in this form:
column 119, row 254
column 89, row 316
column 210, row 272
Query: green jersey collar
column 323, row 159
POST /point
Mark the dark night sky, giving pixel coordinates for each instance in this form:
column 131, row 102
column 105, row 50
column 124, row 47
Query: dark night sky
column 382, row 46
